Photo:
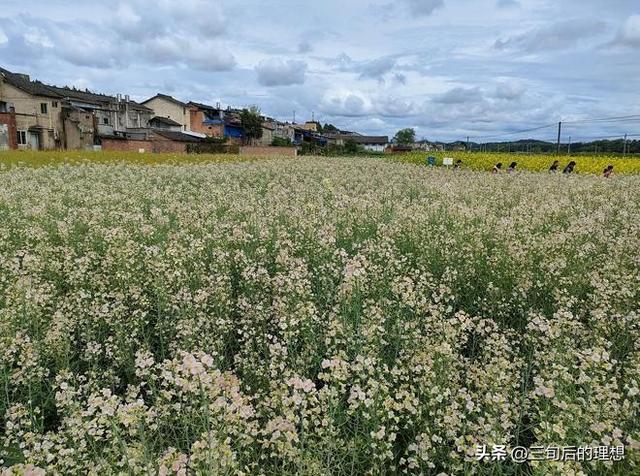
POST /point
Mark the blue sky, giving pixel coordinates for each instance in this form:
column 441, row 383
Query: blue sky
column 449, row 68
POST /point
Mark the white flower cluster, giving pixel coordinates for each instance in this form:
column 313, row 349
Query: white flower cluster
column 317, row 316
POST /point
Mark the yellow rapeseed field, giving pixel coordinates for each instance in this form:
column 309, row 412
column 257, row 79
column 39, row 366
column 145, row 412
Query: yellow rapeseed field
column 474, row 160
column 486, row 161
column 72, row 157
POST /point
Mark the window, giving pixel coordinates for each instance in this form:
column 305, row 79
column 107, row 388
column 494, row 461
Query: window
column 54, row 104
column 3, row 107
column 105, row 121
column 22, row 137
column 43, row 107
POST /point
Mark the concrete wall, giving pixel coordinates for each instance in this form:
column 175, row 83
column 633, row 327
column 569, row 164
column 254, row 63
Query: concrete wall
column 269, row 151
column 79, row 128
column 267, row 137
column 164, row 108
column 375, row 147
column 30, row 117
column 8, row 131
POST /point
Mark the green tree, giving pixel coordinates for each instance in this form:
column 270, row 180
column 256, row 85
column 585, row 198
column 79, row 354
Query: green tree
column 350, row 147
column 281, row 142
column 252, row 122
column 330, row 128
column 405, row 136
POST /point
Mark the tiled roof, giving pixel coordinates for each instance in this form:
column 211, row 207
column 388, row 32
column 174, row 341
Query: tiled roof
column 177, row 136
column 167, row 98
column 205, row 107
column 24, row 83
column 85, row 96
column 36, row 88
column 166, row 121
column 382, row 140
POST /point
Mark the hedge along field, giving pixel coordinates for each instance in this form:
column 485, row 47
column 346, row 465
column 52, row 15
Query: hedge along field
column 315, row 316
column 586, row 164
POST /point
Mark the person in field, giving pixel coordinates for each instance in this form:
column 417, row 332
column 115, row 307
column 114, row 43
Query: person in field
column 608, row 172
column 497, row 168
column 554, row 167
column 512, row 167
column 569, row 169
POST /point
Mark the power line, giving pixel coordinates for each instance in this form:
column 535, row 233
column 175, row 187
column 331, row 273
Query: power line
column 614, row 136
column 597, row 120
column 634, row 117
column 516, row 132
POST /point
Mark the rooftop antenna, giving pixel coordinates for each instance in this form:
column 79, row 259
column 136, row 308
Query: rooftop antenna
column 313, row 116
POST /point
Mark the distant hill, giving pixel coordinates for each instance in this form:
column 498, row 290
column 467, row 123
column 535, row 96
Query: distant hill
column 540, row 147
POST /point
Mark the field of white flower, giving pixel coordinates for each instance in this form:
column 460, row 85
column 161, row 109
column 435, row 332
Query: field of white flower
column 316, row 316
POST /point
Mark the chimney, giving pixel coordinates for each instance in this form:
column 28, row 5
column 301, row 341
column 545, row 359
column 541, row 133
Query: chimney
column 126, row 98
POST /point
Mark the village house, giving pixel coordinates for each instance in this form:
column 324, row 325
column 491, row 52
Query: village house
column 169, row 107
column 36, row 110
column 50, row 117
column 368, row 143
column 268, row 129
column 207, row 120
column 165, row 123
column 34, row 115
column 150, row 140
column 272, row 129
column 89, row 116
column 8, row 130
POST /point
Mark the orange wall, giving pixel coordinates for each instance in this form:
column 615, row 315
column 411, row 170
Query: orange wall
column 197, row 119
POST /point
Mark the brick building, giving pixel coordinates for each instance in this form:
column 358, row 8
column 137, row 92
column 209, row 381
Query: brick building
column 155, row 141
column 207, row 120
column 8, row 130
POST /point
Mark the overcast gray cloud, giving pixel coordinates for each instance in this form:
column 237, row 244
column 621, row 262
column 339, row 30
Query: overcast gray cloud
column 377, row 68
column 629, row 34
column 423, row 7
column 553, row 37
column 459, row 96
column 508, row 4
column 275, row 72
column 448, row 68
column 511, row 90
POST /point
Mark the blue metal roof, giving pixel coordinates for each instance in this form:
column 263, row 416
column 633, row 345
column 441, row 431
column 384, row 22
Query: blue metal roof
column 233, row 131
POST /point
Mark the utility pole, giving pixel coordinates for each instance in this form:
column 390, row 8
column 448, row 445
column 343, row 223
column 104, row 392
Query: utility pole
column 624, row 147
column 294, row 116
column 569, row 147
column 559, row 135
column 467, row 143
